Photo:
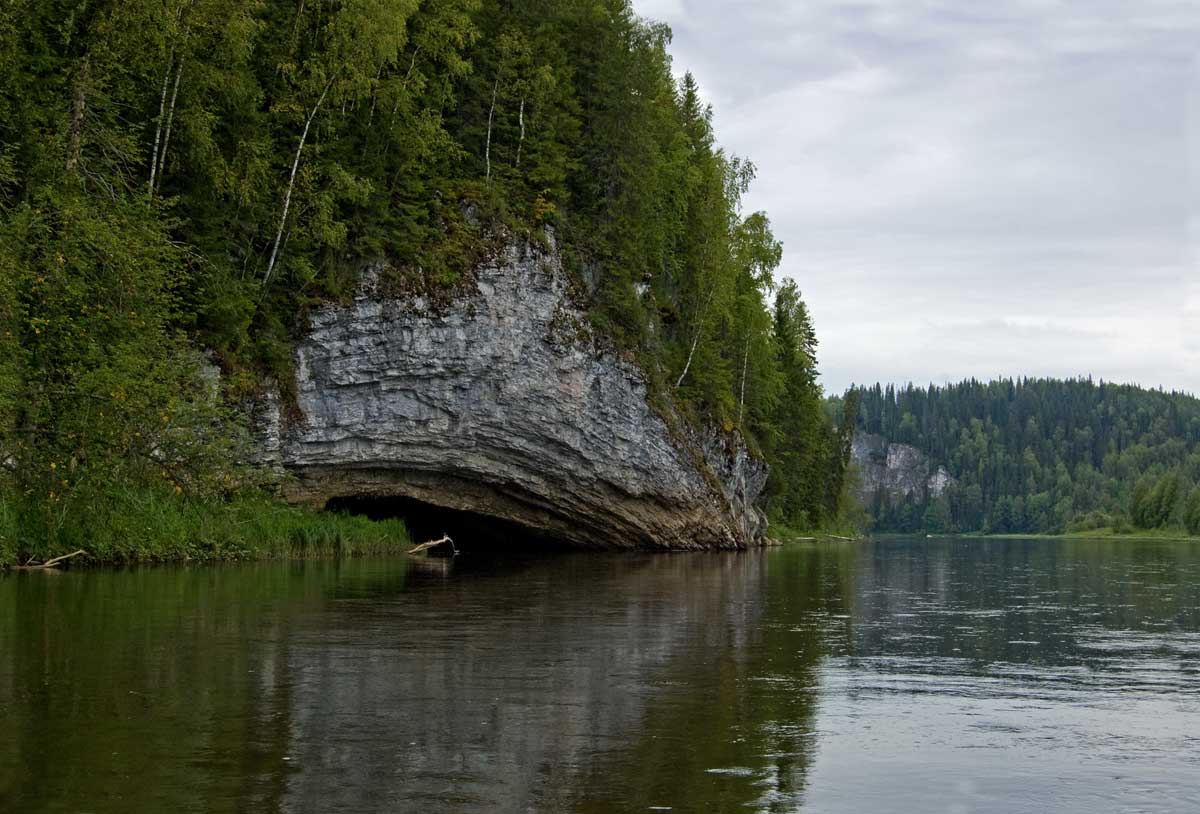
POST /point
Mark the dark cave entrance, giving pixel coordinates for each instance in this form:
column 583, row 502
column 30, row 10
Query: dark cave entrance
column 472, row 532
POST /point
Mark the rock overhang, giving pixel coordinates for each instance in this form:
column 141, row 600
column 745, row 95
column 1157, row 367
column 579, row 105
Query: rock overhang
column 501, row 403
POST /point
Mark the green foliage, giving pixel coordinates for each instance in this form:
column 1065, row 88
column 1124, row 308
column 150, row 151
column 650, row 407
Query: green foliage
column 1191, row 515
column 108, row 394
column 10, row 531
column 1044, row 456
column 145, row 525
column 1155, row 501
column 187, row 178
column 808, row 457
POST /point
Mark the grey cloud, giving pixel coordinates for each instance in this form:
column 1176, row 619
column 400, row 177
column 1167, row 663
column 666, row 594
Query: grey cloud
column 945, row 175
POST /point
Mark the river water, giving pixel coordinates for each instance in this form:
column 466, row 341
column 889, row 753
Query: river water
column 888, row 676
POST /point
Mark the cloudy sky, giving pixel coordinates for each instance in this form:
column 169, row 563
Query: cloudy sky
column 971, row 187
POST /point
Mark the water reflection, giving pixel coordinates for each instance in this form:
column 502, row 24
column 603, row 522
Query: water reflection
column 900, row 676
column 588, row 683
column 1001, row 676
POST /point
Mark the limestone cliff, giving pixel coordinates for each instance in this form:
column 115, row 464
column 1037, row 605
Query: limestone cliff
column 501, row 403
column 896, row 470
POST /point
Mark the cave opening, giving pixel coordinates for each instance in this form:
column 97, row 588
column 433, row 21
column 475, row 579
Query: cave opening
column 472, row 532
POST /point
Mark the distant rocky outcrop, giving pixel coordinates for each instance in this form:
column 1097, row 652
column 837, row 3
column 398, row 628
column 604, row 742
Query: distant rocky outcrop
column 898, row 471
column 500, row 402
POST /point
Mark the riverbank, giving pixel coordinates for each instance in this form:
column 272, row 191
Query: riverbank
column 778, row 533
column 1141, row 535
column 150, row 527
column 153, row 527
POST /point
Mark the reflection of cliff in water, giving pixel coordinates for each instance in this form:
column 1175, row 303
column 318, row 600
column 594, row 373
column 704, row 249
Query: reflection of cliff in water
column 533, row 689
column 609, row 684
column 574, row 683
column 732, row 726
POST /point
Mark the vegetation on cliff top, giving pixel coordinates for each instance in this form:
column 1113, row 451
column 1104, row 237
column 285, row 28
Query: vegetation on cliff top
column 189, row 177
column 1043, row 456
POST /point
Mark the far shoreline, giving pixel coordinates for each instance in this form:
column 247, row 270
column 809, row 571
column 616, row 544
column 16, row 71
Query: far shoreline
column 1097, row 535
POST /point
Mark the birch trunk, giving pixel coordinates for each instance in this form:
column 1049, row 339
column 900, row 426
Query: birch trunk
column 521, row 142
column 412, row 64
column 162, row 158
column 287, row 198
column 78, row 108
column 374, row 100
column 696, row 339
column 742, row 394
column 487, row 150
column 162, row 106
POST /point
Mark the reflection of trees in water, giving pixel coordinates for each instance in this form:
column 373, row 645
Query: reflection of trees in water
column 590, row 683
column 734, row 723
column 497, row 692
column 148, row 690
column 984, row 602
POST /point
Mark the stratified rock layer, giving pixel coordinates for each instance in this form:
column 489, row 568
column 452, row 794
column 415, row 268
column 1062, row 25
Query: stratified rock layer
column 501, row 404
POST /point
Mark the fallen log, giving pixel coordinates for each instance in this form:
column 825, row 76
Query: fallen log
column 48, row 564
column 431, row 545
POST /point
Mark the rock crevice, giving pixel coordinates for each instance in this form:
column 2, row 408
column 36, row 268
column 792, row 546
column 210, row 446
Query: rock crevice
column 501, row 404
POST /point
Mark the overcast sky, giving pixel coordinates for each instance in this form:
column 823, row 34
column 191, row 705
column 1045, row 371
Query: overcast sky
column 970, row 187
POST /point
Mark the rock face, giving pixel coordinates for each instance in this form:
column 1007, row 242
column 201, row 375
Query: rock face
column 501, row 404
column 896, row 470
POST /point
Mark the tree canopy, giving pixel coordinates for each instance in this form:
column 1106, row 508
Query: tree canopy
column 1043, row 455
column 182, row 179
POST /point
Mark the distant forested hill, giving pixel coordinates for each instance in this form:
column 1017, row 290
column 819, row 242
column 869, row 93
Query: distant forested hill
column 1042, row 455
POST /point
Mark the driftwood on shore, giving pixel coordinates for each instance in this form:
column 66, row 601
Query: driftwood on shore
column 430, row 545
column 50, row 564
column 820, row 538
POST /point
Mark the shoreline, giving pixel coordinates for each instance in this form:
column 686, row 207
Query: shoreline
column 150, row 528
column 261, row 529
column 1101, row 535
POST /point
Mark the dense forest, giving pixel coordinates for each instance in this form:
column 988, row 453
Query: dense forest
column 183, row 180
column 1043, row 455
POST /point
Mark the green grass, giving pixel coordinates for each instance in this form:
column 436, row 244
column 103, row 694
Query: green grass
column 1178, row 535
column 784, row 532
column 152, row 526
column 1132, row 534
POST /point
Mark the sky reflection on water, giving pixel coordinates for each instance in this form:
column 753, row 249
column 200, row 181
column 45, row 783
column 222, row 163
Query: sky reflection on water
column 910, row 676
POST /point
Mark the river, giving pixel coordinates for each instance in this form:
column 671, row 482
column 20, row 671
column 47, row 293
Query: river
column 886, row 676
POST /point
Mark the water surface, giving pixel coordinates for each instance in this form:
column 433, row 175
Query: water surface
column 898, row 676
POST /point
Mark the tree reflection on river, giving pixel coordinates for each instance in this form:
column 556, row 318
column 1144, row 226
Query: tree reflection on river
column 901, row 676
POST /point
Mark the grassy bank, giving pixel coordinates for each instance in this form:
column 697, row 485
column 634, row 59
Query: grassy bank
column 1130, row 534
column 1173, row 535
column 784, row 533
column 155, row 527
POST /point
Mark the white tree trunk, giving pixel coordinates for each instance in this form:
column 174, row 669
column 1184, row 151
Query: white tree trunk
column 287, row 198
column 162, row 159
column 412, row 64
column 696, row 339
column 296, row 21
column 521, row 142
column 162, row 106
column 742, row 395
column 78, row 110
column 487, row 150
column 374, row 97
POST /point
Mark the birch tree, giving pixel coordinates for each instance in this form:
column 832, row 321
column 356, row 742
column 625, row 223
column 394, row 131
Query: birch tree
column 757, row 255
column 338, row 55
